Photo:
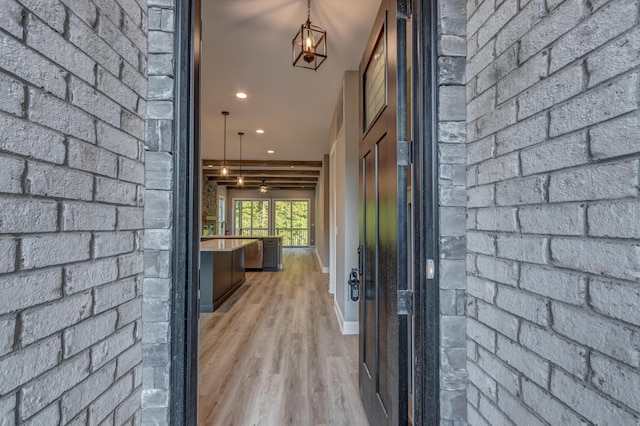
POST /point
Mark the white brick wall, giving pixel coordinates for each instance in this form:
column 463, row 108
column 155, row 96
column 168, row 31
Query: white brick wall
column 70, row 255
column 553, row 178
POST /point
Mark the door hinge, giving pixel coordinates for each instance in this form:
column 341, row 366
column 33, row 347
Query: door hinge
column 405, row 302
column 404, row 152
column 403, row 9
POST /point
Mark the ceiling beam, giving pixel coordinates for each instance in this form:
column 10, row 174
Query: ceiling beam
column 269, row 179
column 262, row 163
column 267, row 173
column 271, row 184
column 290, row 186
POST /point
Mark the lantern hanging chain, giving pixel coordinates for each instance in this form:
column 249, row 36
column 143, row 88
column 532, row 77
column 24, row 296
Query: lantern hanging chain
column 308, row 11
column 224, row 160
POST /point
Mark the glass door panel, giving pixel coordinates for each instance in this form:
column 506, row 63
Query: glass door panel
column 292, row 222
column 251, row 218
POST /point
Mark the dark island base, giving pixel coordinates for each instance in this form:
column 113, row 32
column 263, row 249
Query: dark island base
column 228, row 269
column 271, row 251
column 224, row 297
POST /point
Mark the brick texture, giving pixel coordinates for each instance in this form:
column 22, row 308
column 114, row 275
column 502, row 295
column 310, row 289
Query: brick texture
column 158, row 214
column 553, row 154
column 452, row 201
column 71, row 178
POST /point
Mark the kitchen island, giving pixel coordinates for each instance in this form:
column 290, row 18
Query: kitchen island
column 222, row 269
column 271, row 250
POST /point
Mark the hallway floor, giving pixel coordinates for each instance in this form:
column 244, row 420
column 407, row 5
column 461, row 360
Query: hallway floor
column 273, row 354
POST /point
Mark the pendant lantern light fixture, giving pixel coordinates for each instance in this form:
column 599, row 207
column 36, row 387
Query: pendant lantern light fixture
column 225, row 171
column 309, row 46
column 240, row 178
column 263, row 187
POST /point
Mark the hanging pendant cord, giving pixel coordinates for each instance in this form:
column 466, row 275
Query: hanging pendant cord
column 308, row 10
column 224, row 159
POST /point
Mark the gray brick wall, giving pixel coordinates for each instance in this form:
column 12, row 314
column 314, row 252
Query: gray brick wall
column 553, row 155
column 158, row 215
column 72, row 205
column 452, row 195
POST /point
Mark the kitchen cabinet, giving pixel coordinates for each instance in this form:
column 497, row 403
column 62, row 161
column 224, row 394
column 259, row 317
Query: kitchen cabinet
column 270, row 254
column 222, row 270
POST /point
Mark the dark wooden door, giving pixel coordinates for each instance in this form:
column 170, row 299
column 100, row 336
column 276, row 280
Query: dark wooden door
column 378, row 222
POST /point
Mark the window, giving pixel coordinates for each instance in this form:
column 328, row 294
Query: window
column 292, row 222
column 222, row 222
column 251, row 218
column 375, row 83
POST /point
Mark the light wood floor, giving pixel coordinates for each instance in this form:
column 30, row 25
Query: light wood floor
column 276, row 356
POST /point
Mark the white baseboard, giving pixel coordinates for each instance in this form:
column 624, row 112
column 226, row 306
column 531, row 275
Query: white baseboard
column 351, row 327
column 346, row 327
column 324, row 269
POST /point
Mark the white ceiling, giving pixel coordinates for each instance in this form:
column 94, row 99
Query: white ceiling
column 246, row 46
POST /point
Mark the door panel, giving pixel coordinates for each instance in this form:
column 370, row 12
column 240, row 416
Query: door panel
column 378, row 227
column 387, row 271
column 370, row 273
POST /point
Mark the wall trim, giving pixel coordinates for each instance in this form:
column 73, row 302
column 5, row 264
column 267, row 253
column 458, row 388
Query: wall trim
column 346, row 327
column 427, row 395
column 351, row 328
column 324, row 269
column 183, row 395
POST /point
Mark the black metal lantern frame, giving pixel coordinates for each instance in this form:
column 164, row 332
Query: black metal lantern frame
column 309, row 46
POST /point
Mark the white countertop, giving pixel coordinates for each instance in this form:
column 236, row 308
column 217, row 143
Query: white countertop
column 236, row 237
column 225, row 244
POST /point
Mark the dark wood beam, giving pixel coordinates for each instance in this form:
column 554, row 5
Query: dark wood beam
column 268, row 179
column 284, row 186
column 266, row 173
column 263, row 163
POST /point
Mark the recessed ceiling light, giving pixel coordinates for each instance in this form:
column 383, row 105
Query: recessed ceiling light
column 270, row 151
column 292, row 167
column 210, row 166
column 260, row 131
column 241, row 95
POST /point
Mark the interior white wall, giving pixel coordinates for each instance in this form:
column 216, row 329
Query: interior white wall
column 322, row 217
column 340, row 224
column 345, row 192
column 332, row 221
column 351, row 186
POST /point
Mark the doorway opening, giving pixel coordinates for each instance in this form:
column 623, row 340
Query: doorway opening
column 187, row 329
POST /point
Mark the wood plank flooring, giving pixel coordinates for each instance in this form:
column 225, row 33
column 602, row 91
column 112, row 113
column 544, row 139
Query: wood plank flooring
column 273, row 353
